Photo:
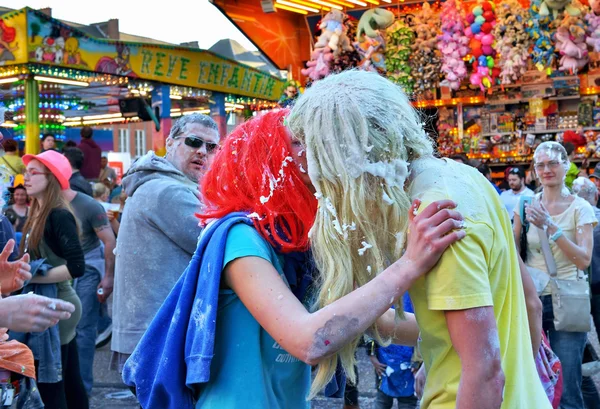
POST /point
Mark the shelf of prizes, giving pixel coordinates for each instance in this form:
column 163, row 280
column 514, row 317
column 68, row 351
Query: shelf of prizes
column 499, row 77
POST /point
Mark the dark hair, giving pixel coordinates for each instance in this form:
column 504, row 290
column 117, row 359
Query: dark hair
column 484, row 169
column 70, row 144
column 48, row 135
column 10, row 145
column 515, row 171
column 569, row 147
column 86, row 132
column 75, row 157
column 461, row 157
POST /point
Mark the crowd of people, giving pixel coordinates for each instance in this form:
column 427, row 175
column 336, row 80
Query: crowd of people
column 240, row 264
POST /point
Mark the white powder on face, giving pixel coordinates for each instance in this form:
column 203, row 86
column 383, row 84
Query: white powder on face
column 365, row 246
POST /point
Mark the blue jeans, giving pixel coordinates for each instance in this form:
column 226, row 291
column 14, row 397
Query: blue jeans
column 569, row 347
column 86, row 287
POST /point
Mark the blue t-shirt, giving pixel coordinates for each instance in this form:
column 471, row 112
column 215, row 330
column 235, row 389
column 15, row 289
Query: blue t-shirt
column 401, row 382
column 249, row 369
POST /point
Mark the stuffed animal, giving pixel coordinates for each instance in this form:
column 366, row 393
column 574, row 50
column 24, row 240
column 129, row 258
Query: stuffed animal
column 538, row 28
column 512, row 40
column 425, row 60
column 370, row 41
column 570, row 40
column 333, row 33
column 319, row 65
column 453, row 45
column 593, row 26
column 399, row 39
column 556, row 7
column 330, row 45
column 372, row 22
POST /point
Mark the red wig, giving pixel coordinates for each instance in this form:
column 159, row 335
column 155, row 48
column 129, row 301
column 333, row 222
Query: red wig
column 8, row 33
column 254, row 172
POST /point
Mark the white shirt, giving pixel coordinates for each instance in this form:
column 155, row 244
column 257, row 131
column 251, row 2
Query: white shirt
column 511, row 199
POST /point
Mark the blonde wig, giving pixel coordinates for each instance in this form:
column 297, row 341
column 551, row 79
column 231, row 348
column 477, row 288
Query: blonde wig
column 361, row 133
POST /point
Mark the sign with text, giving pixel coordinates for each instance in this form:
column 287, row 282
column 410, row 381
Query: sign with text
column 53, row 43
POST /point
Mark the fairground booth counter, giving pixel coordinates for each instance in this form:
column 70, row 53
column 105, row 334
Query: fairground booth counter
column 494, row 79
column 55, row 78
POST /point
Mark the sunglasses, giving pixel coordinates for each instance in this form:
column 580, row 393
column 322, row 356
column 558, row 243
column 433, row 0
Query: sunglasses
column 196, row 143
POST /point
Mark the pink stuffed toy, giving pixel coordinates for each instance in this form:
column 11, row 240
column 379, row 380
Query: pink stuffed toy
column 593, row 29
column 570, row 40
column 319, row 65
column 512, row 40
column 453, row 44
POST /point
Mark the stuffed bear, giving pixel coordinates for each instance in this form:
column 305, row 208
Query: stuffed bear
column 333, row 34
column 370, row 41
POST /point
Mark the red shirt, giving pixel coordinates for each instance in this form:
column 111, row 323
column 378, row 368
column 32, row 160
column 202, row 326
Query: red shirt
column 91, row 159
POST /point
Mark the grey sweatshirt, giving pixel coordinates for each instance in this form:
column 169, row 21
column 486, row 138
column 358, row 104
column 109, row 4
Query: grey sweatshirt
column 157, row 239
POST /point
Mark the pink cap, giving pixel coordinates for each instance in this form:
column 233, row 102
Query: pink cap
column 56, row 163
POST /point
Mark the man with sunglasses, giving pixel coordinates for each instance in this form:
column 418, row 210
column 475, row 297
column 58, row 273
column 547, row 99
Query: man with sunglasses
column 516, row 182
column 159, row 230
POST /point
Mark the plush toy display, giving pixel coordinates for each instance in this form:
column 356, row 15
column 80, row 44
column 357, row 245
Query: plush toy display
column 593, row 26
column 333, row 34
column 570, row 39
column 425, row 60
column 556, row 7
column 330, row 44
column 482, row 19
column 512, row 40
column 538, row 28
column 453, row 45
column 399, row 39
column 370, row 39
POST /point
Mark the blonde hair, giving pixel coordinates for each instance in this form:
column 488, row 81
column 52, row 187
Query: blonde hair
column 99, row 189
column 360, row 132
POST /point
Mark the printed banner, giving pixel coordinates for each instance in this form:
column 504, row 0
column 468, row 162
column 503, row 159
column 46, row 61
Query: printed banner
column 52, row 43
column 13, row 38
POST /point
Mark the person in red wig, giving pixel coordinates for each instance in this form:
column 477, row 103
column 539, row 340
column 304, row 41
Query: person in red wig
column 237, row 330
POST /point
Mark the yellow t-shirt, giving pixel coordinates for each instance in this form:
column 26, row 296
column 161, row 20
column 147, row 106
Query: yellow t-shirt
column 480, row 270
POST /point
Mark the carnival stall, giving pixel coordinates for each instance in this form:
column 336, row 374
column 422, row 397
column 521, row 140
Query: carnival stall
column 499, row 76
column 55, row 77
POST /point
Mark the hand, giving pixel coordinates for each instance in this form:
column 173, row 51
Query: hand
column 538, row 216
column 431, row 233
column 420, row 378
column 110, row 215
column 13, row 274
column 3, row 334
column 379, row 367
column 107, row 288
column 33, row 313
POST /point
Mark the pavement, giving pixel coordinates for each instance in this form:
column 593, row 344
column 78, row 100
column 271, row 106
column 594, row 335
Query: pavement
column 110, row 393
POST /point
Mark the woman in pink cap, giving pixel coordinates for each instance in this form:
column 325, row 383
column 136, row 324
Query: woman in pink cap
column 51, row 232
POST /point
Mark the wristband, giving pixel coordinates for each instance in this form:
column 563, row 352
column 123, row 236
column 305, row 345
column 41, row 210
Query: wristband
column 556, row 235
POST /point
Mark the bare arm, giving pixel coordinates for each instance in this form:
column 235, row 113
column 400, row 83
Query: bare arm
column 106, row 235
column 534, row 308
column 474, row 336
column 54, row 275
column 401, row 332
column 581, row 251
column 517, row 226
column 313, row 336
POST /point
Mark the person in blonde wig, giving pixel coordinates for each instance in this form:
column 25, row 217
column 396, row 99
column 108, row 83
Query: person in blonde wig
column 368, row 157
